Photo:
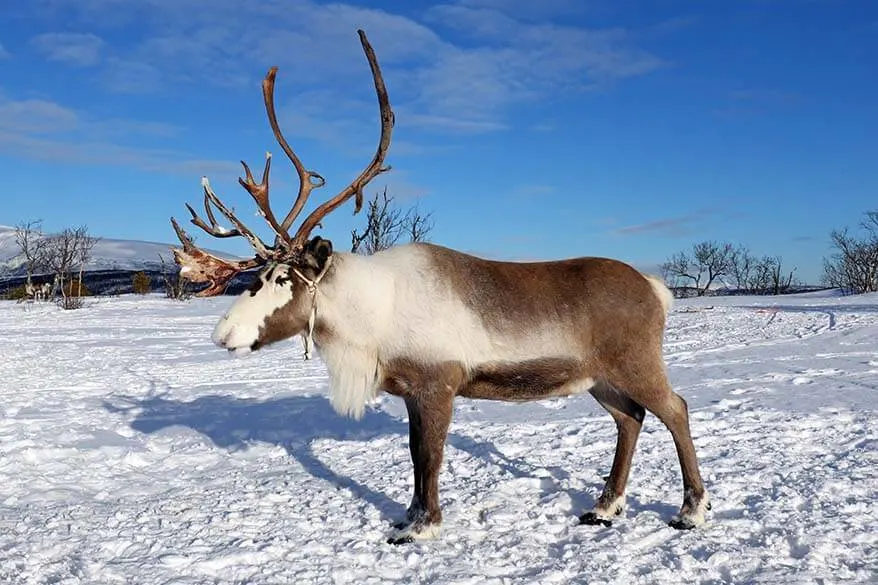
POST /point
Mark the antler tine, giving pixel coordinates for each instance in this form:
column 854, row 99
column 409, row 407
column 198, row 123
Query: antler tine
column 259, row 192
column 214, row 228
column 199, row 266
column 308, row 180
column 261, row 248
column 370, row 172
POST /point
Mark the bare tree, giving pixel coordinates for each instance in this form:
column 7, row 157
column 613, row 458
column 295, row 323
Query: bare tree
column 853, row 267
column 708, row 262
column 386, row 225
column 742, row 264
column 768, row 277
column 71, row 249
column 32, row 244
column 84, row 245
column 60, row 256
column 678, row 269
column 418, row 225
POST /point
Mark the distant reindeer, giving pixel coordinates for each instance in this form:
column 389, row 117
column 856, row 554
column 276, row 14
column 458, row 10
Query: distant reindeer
column 429, row 324
column 37, row 292
column 45, row 290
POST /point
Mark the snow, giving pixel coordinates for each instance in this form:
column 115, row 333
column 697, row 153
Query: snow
column 132, row 450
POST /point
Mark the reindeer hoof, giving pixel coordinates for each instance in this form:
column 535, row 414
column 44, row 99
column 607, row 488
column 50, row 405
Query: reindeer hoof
column 406, row 533
column 592, row 519
column 681, row 524
column 691, row 516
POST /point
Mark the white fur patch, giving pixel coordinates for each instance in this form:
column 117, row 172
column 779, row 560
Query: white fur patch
column 611, row 511
column 428, row 532
column 353, row 378
column 239, row 327
column 664, row 294
column 696, row 517
column 578, row 387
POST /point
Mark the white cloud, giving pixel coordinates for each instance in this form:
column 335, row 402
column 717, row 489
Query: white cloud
column 77, row 49
column 528, row 9
column 511, row 53
column 36, row 116
column 127, row 76
column 44, row 130
column 4, row 54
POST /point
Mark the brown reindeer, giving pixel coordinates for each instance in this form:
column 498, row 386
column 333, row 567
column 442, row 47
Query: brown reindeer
column 429, row 324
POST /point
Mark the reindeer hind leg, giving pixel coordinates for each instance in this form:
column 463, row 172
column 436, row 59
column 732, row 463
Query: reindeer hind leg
column 649, row 387
column 629, row 419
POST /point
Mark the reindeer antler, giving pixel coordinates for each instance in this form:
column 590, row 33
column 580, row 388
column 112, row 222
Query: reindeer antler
column 375, row 167
column 200, row 266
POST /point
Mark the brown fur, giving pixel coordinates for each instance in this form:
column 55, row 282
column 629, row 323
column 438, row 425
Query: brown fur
column 617, row 321
column 526, row 380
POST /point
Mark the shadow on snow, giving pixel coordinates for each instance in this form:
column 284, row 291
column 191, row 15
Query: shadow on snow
column 293, row 422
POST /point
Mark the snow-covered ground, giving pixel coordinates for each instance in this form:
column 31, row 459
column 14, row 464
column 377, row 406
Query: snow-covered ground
column 133, row 451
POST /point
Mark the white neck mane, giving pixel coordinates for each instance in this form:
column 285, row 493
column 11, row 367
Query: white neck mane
column 355, row 305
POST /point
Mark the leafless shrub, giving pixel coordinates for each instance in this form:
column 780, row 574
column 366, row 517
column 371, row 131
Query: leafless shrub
column 66, row 252
column 141, row 283
column 175, row 287
column 386, row 225
column 708, row 262
column 853, row 267
column 32, row 245
column 742, row 266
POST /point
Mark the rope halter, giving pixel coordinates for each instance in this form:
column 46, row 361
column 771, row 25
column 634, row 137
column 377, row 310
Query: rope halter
column 308, row 339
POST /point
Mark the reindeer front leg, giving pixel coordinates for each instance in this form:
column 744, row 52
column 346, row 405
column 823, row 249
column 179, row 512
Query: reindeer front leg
column 429, row 418
column 416, row 507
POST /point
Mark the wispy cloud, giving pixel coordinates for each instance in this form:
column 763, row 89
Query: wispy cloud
column 771, row 96
column 509, row 53
column 44, row 130
column 544, row 126
column 535, row 190
column 36, row 116
column 529, row 10
column 4, row 54
column 77, row 49
column 124, row 76
column 108, row 153
column 756, row 101
column 672, row 25
column 679, row 226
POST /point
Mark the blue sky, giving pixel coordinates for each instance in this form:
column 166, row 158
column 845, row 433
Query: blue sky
column 531, row 130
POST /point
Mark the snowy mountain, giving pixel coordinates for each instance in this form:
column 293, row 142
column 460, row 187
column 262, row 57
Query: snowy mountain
column 108, row 254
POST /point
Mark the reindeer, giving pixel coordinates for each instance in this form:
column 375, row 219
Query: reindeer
column 44, row 291
column 37, row 292
column 430, row 324
column 30, row 290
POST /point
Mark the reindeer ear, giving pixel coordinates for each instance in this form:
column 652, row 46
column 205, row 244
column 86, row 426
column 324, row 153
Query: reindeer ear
column 317, row 252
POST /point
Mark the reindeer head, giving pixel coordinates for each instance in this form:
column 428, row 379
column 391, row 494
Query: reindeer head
column 280, row 302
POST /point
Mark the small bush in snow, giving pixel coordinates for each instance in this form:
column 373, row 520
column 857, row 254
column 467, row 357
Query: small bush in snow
column 141, row 283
